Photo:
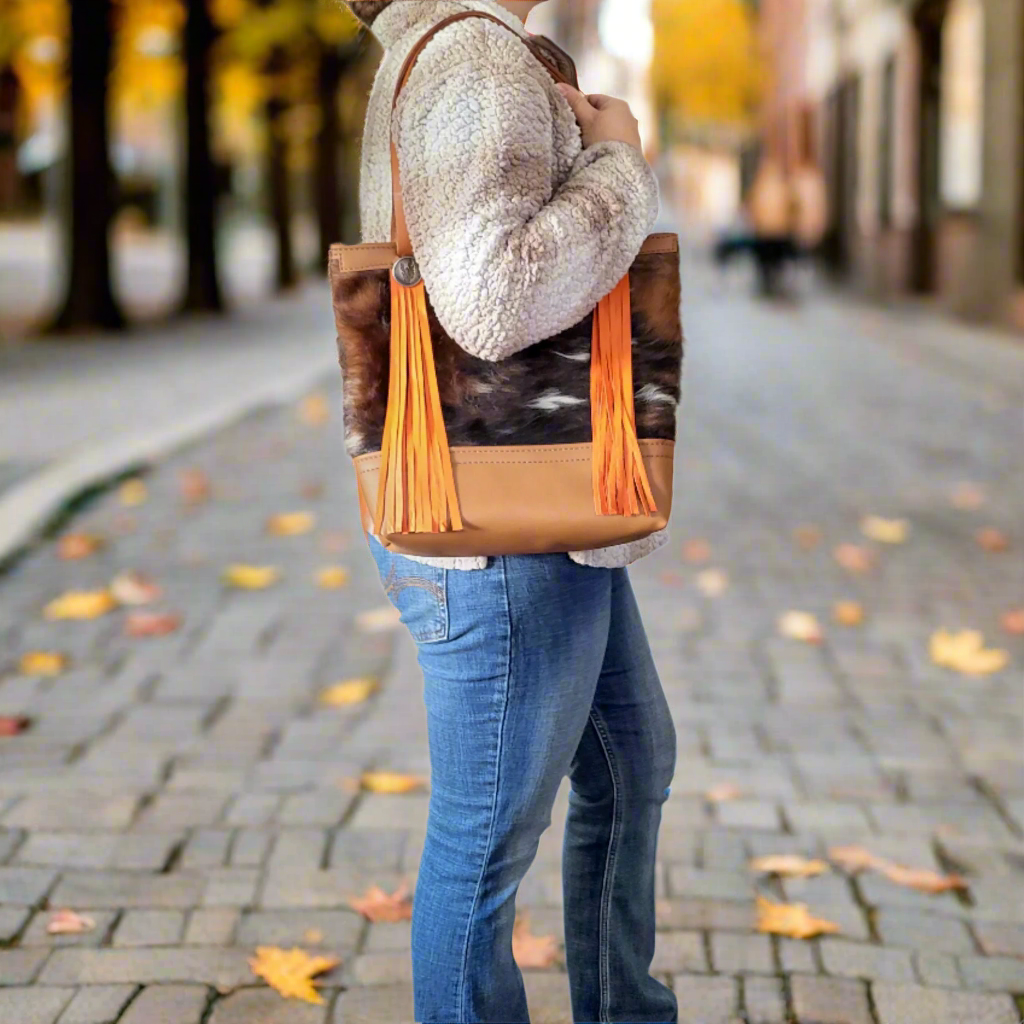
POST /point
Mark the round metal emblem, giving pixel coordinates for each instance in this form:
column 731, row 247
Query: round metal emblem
column 407, row 271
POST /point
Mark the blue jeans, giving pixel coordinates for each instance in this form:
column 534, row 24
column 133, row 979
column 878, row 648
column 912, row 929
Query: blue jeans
column 535, row 668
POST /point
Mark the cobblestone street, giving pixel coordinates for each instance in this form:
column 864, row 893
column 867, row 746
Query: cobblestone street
column 193, row 795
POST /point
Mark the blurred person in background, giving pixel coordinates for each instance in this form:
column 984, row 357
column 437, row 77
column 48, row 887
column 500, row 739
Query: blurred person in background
column 526, row 193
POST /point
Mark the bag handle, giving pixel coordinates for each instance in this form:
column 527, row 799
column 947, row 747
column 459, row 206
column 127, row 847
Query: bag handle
column 399, row 225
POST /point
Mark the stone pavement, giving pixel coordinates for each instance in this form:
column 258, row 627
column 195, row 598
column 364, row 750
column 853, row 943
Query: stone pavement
column 188, row 792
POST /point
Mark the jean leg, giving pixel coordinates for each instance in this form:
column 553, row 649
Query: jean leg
column 508, row 695
column 620, row 778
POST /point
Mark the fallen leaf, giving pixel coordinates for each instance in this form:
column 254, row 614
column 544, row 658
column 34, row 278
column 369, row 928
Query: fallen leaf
column 885, row 531
column 378, row 620
column 291, row 524
column 801, row 626
column 854, row 558
column 133, row 493
column 290, row 973
column 392, row 783
column 965, row 652
column 697, row 551
column 853, row 859
column 807, row 537
column 13, row 725
column 922, row 879
column 314, row 409
column 723, row 792
column 352, row 691
column 74, row 546
column 848, row 613
column 1013, row 621
column 251, row 577
column 712, row 582
column 42, row 663
column 377, row 906
column 312, row 490
column 151, row 623
column 332, row 577
column 672, row 579
column 195, row 486
column 533, row 951
column 67, row 922
column 993, row 540
column 314, row 936
column 133, row 588
column 789, row 865
column 793, row 920
column 967, row 496
column 335, row 542
column 80, row 604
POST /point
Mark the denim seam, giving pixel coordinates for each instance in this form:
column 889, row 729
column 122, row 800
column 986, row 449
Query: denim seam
column 604, row 939
column 494, row 801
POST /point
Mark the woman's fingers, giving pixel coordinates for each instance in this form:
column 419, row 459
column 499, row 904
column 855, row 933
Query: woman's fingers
column 581, row 106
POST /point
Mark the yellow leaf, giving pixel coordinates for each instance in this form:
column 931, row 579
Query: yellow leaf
column 800, row 626
column 922, row 879
column 74, row 546
column 291, row 972
column 42, row 663
column 80, row 604
column 965, row 652
column 533, row 951
column 314, row 410
column 885, row 531
column 848, row 613
column 391, row 782
column 378, row 620
column 251, row 577
column 853, row 858
column 376, row 905
column 291, row 524
column 792, row 920
column 332, row 577
column 133, row 492
column 712, row 582
column 352, row 691
column 789, row 865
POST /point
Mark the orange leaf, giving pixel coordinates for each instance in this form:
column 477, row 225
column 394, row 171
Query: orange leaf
column 133, row 588
column 723, row 792
column 807, row 537
column 789, row 865
column 392, row 783
column 854, row 558
column 376, row 905
column 922, row 879
column 792, row 920
column 854, row 858
column 74, row 546
column 67, row 922
column 1013, row 621
column 697, row 551
column 291, row 972
column 533, row 951
column 151, row 623
column 991, row 539
column 312, row 490
column 195, row 486
column 967, row 496
column 13, row 725
column 335, row 542
column 314, row 409
column 848, row 613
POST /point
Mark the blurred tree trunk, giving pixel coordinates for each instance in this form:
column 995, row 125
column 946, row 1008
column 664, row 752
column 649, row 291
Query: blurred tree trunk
column 203, row 293
column 328, row 184
column 278, row 174
column 89, row 301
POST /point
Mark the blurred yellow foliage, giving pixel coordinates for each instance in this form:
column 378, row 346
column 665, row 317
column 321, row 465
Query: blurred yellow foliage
column 708, row 68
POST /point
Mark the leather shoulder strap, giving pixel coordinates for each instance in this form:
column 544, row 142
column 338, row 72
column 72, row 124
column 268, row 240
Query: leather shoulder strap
column 399, row 226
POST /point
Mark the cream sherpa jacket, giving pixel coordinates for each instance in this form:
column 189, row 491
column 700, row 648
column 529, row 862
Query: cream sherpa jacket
column 518, row 230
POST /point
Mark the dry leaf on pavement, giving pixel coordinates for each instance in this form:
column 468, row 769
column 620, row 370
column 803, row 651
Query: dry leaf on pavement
column 377, row 906
column 789, row 865
column 314, row 937
column 885, row 531
column 801, row 626
column 314, row 410
column 391, row 783
column 42, row 663
column 533, row 951
column 332, row 577
column 133, row 588
column 807, row 537
column 378, row 620
column 853, row 858
column 80, row 604
column 967, row 496
column 993, row 540
column 336, row 541
column 848, row 613
column 697, row 551
column 151, row 623
column 352, row 691
column 723, row 793
column 13, row 725
column 965, row 652
column 1013, row 621
column 291, row 524
column 251, row 577
column 291, row 972
column 856, row 858
column 195, row 486
column 792, row 920
column 854, row 558
column 74, row 546
column 712, row 582
column 67, row 922
column 133, row 493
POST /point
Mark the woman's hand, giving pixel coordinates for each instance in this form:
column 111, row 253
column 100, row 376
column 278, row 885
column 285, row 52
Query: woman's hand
column 602, row 118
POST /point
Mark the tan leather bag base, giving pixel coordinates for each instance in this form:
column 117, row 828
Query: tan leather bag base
column 527, row 501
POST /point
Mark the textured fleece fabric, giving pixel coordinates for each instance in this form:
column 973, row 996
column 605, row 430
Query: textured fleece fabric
column 518, row 230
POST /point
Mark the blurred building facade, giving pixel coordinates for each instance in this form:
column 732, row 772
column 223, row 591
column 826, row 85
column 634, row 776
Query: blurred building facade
column 914, row 109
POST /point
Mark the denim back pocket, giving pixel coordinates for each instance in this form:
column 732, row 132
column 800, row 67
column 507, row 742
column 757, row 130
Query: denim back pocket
column 418, row 591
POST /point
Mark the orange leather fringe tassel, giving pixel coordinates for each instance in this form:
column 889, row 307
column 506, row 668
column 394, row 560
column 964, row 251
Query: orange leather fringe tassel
column 621, row 487
column 416, row 490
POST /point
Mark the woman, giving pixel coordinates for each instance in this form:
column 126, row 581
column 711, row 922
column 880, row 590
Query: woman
column 526, row 203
